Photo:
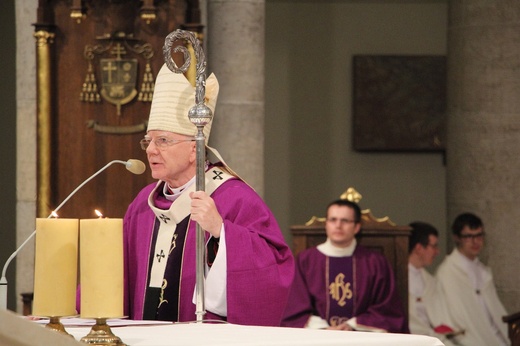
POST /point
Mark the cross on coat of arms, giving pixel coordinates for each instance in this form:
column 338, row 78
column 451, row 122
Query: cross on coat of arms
column 118, row 73
column 119, row 78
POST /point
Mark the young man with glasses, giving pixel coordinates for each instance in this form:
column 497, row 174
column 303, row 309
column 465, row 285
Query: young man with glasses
column 249, row 267
column 344, row 286
column 468, row 284
column 428, row 312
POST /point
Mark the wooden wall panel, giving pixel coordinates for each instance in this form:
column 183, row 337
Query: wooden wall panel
column 77, row 150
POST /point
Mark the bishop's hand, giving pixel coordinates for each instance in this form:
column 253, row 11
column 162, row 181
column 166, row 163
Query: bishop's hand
column 205, row 213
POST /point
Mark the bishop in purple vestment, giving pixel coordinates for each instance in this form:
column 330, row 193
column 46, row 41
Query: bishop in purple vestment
column 249, row 267
column 342, row 285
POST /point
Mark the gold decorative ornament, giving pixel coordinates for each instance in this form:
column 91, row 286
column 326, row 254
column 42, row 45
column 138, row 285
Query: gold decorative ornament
column 148, row 12
column 55, row 325
column 77, row 11
column 89, row 91
column 118, row 73
column 118, row 79
column 101, row 334
column 148, row 84
column 351, row 194
column 315, row 220
column 44, row 39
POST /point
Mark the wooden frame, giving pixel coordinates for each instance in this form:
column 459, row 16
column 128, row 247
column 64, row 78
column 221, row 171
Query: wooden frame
column 513, row 326
column 399, row 103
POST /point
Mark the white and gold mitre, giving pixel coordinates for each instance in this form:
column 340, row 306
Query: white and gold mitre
column 173, row 97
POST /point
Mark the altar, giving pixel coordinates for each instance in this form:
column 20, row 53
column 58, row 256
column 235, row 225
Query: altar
column 196, row 334
column 18, row 330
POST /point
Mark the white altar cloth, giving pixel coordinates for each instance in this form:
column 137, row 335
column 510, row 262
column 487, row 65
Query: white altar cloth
column 196, row 334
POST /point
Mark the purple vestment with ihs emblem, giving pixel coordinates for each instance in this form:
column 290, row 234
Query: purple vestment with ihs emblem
column 375, row 300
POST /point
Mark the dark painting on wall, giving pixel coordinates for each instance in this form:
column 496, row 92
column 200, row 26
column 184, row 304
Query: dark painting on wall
column 399, row 103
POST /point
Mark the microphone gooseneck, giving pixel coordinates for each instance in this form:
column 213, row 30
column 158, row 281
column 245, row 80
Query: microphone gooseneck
column 133, row 165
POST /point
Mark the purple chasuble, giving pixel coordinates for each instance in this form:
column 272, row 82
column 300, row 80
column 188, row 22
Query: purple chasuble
column 376, row 302
column 340, row 282
column 260, row 265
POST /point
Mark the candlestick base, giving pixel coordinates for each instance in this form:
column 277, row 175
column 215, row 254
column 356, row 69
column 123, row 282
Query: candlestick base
column 101, row 334
column 55, row 325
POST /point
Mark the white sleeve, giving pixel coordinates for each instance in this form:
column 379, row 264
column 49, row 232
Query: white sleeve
column 316, row 322
column 215, row 284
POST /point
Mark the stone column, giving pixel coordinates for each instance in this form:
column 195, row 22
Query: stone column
column 235, row 53
column 483, row 146
column 26, row 135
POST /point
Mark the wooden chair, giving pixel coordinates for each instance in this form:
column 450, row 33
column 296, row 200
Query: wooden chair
column 380, row 234
column 513, row 328
column 27, row 299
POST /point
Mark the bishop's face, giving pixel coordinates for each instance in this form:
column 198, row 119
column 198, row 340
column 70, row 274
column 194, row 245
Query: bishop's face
column 172, row 157
column 341, row 225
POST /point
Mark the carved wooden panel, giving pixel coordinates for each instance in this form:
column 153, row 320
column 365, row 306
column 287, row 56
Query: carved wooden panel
column 79, row 141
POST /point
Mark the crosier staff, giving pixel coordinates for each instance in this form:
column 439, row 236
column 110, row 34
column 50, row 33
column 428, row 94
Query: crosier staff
column 199, row 115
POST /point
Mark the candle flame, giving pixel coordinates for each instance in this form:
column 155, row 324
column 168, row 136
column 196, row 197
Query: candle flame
column 98, row 213
column 54, row 214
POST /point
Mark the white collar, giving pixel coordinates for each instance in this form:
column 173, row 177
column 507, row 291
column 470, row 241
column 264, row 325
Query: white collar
column 465, row 261
column 333, row 251
column 412, row 269
column 177, row 190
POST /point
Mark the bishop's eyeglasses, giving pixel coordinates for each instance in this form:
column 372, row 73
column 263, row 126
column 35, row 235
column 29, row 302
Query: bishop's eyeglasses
column 162, row 142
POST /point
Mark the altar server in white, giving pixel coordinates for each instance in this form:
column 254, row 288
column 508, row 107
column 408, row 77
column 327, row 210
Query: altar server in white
column 469, row 287
column 428, row 313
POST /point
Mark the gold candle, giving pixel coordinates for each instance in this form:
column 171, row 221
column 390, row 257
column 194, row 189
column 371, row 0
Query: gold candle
column 101, row 268
column 56, row 267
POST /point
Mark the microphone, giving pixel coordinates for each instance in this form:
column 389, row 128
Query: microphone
column 133, row 165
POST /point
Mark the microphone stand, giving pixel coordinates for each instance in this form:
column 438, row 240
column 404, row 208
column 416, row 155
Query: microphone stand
column 199, row 115
column 3, row 279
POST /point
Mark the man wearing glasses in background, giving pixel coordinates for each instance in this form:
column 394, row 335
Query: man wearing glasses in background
column 344, row 286
column 468, row 284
